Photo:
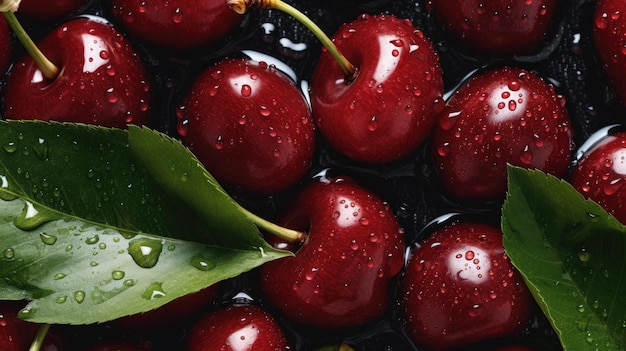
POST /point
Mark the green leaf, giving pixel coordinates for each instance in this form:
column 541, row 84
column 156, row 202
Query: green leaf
column 572, row 255
column 99, row 223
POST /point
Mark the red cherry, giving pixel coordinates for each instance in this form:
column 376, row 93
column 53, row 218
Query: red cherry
column 46, row 10
column 601, row 174
column 340, row 277
column 18, row 335
column 460, row 287
column 497, row 27
column 237, row 328
column 609, row 34
column 249, row 125
column 6, row 48
column 501, row 116
column 172, row 313
column 101, row 79
column 180, row 25
column 388, row 109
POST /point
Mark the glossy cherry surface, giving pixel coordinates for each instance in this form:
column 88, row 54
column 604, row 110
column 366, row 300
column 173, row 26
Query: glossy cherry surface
column 460, row 288
column 179, row 25
column 609, row 34
column 601, row 174
column 389, row 108
column 48, row 10
column 506, row 27
column 499, row 117
column 101, row 80
column 249, row 125
column 340, row 277
column 237, row 328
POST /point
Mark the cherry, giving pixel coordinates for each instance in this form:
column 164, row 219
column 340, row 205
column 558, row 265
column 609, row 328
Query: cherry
column 460, row 287
column 99, row 78
column 6, row 45
column 172, row 313
column 609, row 35
column 340, row 276
column 509, row 27
column 237, row 327
column 504, row 115
column 180, row 25
column 249, row 125
column 382, row 107
column 388, row 108
column 600, row 173
column 18, row 335
column 46, row 10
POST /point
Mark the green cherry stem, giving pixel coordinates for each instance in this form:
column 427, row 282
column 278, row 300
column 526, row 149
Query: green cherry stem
column 289, row 235
column 241, row 6
column 39, row 337
column 48, row 69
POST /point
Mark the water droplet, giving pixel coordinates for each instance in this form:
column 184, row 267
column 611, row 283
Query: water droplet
column 92, row 239
column 47, row 238
column 9, row 254
column 476, row 310
column 11, row 147
column 246, row 90
column 33, row 216
column 145, row 251
column 154, row 291
column 59, row 276
column 79, row 296
column 61, row 299
column 583, row 255
column 177, row 15
column 202, row 263
column 117, row 275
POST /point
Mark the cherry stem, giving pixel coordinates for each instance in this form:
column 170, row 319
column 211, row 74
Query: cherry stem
column 39, row 337
column 289, row 235
column 48, row 69
column 241, row 6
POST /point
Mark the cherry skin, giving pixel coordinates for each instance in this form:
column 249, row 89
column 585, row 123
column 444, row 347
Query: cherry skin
column 609, row 29
column 340, row 276
column 509, row 27
column 600, row 174
column 460, row 288
column 6, row 45
column 237, row 327
column 46, row 10
column 249, row 125
column 180, row 25
column 504, row 115
column 389, row 108
column 17, row 334
column 101, row 81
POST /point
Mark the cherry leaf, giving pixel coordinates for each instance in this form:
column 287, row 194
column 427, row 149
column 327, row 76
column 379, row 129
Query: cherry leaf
column 572, row 255
column 91, row 231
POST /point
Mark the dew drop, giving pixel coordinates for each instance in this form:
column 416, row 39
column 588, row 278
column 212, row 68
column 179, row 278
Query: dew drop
column 154, row 291
column 145, row 251
column 59, row 276
column 202, row 263
column 47, row 238
column 79, row 296
column 61, row 299
column 9, row 254
column 32, row 217
column 246, row 90
column 177, row 16
column 118, row 275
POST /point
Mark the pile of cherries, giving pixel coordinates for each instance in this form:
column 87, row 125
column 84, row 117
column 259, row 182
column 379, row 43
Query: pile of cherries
column 389, row 153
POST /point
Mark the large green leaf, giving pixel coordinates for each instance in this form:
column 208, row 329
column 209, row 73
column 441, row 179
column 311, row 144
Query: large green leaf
column 572, row 255
column 91, row 229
